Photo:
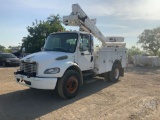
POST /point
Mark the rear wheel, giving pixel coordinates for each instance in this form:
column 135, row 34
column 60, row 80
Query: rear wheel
column 106, row 76
column 115, row 73
column 69, row 84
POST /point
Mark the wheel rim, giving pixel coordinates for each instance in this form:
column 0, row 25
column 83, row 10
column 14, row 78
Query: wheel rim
column 72, row 84
column 116, row 73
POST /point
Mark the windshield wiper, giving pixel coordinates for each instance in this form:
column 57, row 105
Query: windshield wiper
column 56, row 49
column 47, row 49
column 60, row 49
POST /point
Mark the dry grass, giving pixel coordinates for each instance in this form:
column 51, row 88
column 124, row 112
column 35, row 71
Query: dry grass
column 136, row 96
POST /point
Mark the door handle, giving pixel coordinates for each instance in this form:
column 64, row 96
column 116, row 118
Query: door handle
column 91, row 58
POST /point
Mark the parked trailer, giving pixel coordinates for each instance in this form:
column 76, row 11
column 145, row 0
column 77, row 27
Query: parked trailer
column 146, row 60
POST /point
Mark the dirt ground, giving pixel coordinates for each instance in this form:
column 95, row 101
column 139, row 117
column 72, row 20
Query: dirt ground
column 135, row 96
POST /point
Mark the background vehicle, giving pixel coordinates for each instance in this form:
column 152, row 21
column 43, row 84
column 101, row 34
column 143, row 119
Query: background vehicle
column 8, row 59
column 68, row 57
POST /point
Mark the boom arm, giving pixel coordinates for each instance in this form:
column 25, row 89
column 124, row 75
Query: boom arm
column 79, row 18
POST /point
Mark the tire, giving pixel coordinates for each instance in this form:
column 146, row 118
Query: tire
column 115, row 73
column 106, row 76
column 69, row 84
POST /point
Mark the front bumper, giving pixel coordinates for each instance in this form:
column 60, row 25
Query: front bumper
column 36, row 82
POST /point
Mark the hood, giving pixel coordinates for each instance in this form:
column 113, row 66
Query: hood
column 47, row 56
column 13, row 59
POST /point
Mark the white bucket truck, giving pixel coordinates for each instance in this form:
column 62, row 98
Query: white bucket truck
column 69, row 56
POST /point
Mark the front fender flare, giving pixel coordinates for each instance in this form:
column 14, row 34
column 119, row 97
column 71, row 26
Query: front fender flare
column 75, row 67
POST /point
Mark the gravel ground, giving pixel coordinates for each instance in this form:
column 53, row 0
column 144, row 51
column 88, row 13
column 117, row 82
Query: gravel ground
column 135, row 96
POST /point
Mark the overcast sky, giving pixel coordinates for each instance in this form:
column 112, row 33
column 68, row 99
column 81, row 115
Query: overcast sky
column 126, row 18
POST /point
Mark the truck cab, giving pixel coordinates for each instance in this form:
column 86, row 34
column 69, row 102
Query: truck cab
column 62, row 51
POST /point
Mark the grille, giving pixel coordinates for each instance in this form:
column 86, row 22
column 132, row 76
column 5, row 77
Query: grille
column 28, row 68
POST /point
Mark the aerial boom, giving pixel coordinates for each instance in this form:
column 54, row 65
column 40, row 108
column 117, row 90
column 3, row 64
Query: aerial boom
column 79, row 18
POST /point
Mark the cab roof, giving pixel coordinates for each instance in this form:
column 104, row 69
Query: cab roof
column 78, row 32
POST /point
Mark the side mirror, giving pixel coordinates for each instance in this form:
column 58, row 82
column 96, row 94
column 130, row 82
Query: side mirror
column 91, row 44
column 80, row 47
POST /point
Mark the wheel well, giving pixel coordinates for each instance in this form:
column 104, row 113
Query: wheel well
column 121, row 69
column 118, row 62
column 76, row 68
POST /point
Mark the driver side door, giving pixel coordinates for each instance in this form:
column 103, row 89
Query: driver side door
column 85, row 52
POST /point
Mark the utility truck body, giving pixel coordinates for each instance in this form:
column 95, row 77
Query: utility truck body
column 68, row 57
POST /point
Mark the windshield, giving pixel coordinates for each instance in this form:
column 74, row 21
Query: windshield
column 63, row 42
column 8, row 56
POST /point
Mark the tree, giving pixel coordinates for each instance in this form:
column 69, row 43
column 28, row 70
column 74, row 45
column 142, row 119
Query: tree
column 133, row 51
column 14, row 48
column 158, row 53
column 2, row 48
column 150, row 40
column 53, row 19
column 8, row 50
column 39, row 31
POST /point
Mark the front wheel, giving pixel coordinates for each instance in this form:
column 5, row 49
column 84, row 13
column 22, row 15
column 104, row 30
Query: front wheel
column 115, row 73
column 69, row 84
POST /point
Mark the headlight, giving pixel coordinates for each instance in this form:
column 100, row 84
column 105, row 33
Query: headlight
column 8, row 61
column 52, row 70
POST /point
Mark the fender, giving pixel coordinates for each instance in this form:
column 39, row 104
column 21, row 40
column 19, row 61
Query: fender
column 63, row 65
column 68, row 65
column 75, row 67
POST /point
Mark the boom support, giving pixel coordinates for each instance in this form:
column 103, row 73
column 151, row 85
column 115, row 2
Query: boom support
column 79, row 18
